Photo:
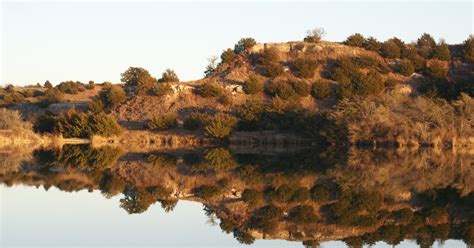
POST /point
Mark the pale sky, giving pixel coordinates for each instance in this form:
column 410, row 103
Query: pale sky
column 60, row 41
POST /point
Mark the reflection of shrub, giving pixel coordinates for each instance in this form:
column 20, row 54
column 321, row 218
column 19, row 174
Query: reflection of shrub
column 320, row 90
column 320, row 194
column 303, row 214
column 404, row 215
column 162, row 159
column 251, row 197
column 436, row 215
column 207, row 191
column 219, row 159
column 209, row 89
column 253, row 85
column 220, row 125
column 163, row 122
column 266, row 218
column 303, row 68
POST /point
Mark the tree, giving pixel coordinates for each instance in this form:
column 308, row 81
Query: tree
column 48, row 85
column 244, row 44
column 468, row 49
column 425, row 44
column 112, row 96
column 390, row 49
column 211, row 65
column 372, row 44
column 138, row 79
column 355, row 40
column 168, row 76
column 441, row 51
column 437, row 70
column 314, row 35
column 405, row 67
column 228, row 56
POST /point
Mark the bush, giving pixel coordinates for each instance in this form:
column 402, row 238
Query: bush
column 10, row 120
column 244, row 44
column 390, row 50
column 282, row 194
column 269, row 61
column 303, row 214
column 404, row 67
column 365, row 61
column 251, row 197
column 90, row 85
column 425, row 44
column 210, row 89
column 48, row 84
column 369, row 84
column 52, row 95
column 138, row 79
column 168, row 76
column 355, row 40
column 320, row 90
column 162, row 89
column 95, row 106
column 196, row 121
column 228, row 56
column 207, row 191
column 404, row 216
column 112, row 96
column 220, row 125
column 372, row 44
column 320, row 194
column 301, row 88
column 253, row 85
column 280, row 88
column 250, row 115
column 314, row 35
column 70, row 87
column 103, row 125
column 468, row 49
column 436, row 70
column 162, row 122
column 344, row 71
column 266, row 218
column 303, row 68
column 301, row 194
column 441, row 52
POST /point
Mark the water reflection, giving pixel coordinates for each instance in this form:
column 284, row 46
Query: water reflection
column 310, row 196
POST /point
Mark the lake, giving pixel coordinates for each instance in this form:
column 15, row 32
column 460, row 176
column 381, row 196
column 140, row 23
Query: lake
column 83, row 196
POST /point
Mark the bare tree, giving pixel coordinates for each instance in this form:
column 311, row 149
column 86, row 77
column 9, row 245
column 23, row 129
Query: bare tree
column 314, row 35
column 211, row 66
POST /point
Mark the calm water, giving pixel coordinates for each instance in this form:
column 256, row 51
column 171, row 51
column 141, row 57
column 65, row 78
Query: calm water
column 86, row 197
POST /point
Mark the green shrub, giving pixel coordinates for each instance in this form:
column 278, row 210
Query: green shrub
column 162, row 122
column 320, row 194
column 52, row 95
column 251, row 197
column 344, row 71
column 390, row 50
column 207, row 191
column 365, row 61
column 71, row 87
column 253, row 85
column 303, row 214
column 372, row 44
column 220, row 125
column 436, row 70
column 196, row 121
column 369, row 84
column 90, row 85
column 228, row 56
column 282, row 194
column 355, row 40
column 269, row 61
column 320, row 90
column 303, row 68
column 112, row 96
column 244, row 44
column 103, row 125
column 168, row 76
column 468, row 49
column 210, row 89
column 301, row 194
column 441, row 52
column 162, row 89
column 266, row 218
column 280, row 88
column 138, row 79
column 404, row 67
column 48, row 84
column 425, row 44
column 95, row 106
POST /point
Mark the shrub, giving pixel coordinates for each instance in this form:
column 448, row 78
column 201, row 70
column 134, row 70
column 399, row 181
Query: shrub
column 320, row 90
column 372, row 44
column 103, row 125
column 210, row 89
column 441, row 52
column 468, row 49
column 390, row 83
column 390, row 50
column 282, row 194
column 220, row 125
column 425, row 44
column 355, row 40
column 90, row 85
column 404, row 215
column 162, row 89
column 301, row 88
column 314, row 35
column 301, row 194
column 436, row 70
column 253, row 85
column 365, row 61
column 280, row 88
column 10, row 119
column 79, row 125
column 369, row 84
column 196, row 121
column 303, row 214
column 228, row 56
column 168, row 76
column 250, row 114
column 162, row 122
column 404, row 67
column 344, row 70
column 251, row 197
column 273, row 69
column 320, row 194
column 52, row 95
column 48, row 84
column 269, row 60
column 96, row 106
column 207, row 191
column 138, row 79
column 70, row 87
column 303, row 68
column 244, row 44
column 112, row 96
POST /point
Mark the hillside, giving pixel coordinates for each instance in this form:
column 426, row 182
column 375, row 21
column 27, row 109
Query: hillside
column 296, row 88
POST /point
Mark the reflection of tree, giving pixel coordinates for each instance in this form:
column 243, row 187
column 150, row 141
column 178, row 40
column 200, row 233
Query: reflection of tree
column 136, row 201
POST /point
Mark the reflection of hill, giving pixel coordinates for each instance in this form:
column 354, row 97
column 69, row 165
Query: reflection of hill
column 306, row 195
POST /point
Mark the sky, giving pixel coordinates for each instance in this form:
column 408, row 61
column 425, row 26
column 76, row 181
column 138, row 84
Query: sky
column 84, row 41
